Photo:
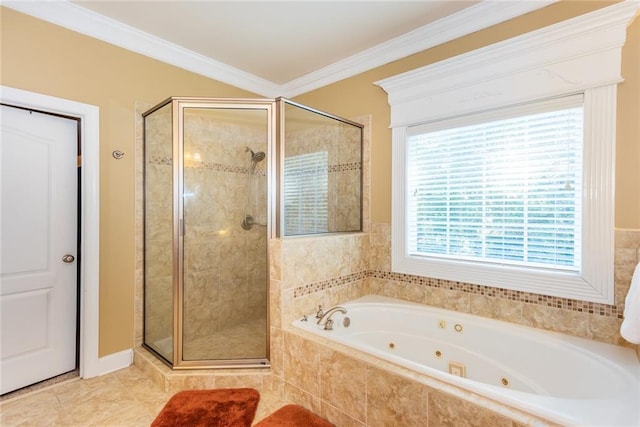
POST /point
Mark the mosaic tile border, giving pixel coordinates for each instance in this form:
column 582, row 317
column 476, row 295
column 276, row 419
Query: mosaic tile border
column 328, row 284
column 526, row 297
column 345, row 167
column 195, row 164
column 157, row 160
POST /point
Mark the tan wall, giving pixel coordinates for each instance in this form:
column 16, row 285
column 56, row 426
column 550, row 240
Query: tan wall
column 44, row 58
column 358, row 96
column 628, row 146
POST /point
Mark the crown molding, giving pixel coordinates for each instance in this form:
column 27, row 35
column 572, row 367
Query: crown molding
column 568, row 57
column 467, row 21
column 87, row 22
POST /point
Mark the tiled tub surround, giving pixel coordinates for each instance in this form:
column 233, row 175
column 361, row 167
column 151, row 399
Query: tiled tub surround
column 351, row 388
column 569, row 380
column 306, row 272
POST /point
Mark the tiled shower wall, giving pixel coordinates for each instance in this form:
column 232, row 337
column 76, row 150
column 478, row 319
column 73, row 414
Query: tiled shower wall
column 225, row 266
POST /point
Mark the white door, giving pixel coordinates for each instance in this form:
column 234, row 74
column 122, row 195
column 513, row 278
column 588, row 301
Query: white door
column 38, row 233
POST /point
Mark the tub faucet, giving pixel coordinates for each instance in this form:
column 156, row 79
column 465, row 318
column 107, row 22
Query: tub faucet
column 326, row 317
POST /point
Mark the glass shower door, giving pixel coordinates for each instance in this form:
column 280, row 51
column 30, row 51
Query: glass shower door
column 224, row 243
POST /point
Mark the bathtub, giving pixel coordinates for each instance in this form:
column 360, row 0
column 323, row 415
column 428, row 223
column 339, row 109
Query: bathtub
column 563, row 379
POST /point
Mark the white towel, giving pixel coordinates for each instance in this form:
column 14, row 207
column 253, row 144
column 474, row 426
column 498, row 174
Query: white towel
column 630, row 328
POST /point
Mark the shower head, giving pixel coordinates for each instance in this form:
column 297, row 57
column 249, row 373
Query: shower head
column 256, row 157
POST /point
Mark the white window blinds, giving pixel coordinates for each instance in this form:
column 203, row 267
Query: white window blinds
column 305, row 193
column 503, row 186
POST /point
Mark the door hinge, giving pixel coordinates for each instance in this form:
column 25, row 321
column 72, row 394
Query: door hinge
column 79, row 161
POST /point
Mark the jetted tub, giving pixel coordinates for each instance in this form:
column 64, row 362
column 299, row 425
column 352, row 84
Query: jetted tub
column 564, row 379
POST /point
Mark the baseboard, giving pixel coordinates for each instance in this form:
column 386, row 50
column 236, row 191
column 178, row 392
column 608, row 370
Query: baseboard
column 114, row 362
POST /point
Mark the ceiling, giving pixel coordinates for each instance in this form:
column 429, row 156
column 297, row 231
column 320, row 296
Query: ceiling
column 277, row 41
column 276, row 47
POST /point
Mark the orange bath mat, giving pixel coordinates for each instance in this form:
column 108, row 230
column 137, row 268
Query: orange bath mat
column 293, row 416
column 234, row 407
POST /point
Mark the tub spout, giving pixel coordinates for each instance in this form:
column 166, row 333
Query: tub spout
column 326, row 318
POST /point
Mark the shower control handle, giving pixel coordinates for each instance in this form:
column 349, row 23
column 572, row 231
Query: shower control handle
column 68, row 258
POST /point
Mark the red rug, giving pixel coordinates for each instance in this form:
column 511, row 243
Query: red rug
column 293, row 416
column 234, row 407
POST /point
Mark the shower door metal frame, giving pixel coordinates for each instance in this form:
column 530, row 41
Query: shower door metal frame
column 179, row 104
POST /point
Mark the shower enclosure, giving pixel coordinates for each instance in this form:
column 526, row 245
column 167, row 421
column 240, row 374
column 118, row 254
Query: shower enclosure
column 210, row 206
column 206, row 229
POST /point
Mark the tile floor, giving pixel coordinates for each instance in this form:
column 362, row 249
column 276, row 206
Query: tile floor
column 126, row 398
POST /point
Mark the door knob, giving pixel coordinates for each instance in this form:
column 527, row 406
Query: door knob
column 68, row 258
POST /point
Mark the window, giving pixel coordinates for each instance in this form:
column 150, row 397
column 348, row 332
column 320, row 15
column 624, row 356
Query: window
column 305, row 191
column 503, row 161
column 503, row 187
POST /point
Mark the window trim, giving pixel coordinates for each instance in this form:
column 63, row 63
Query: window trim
column 578, row 56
